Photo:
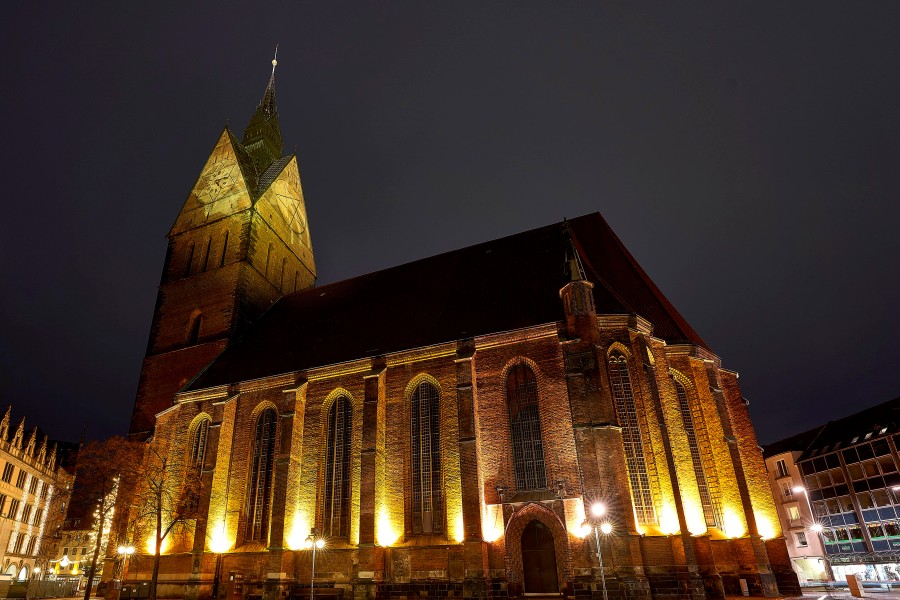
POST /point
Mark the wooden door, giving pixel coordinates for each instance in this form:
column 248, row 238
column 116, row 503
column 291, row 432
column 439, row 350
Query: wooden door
column 539, row 560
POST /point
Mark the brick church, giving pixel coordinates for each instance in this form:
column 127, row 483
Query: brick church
column 486, row 423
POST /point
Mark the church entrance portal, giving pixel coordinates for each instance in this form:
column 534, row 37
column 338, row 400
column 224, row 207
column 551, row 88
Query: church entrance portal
column 539, row 560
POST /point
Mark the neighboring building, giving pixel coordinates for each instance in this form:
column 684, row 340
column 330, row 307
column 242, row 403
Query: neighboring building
column 444, row 423
column 75, row 541
column 802, row 530
column 851, row 471
column 33, row 494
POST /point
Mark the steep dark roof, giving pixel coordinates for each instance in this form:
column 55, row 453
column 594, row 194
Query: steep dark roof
column 871, row 420
column 503, row 285
column 795, row 443
column 269, row 175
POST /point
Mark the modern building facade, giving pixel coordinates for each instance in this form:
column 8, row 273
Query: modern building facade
column 802, row 530
column 444, row 426
column 850, row 472
column 33, row 488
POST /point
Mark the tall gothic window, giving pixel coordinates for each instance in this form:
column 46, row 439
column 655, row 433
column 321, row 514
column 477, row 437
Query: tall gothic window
column 631, row 437
column 525, row 423
column 336, row 496
column 198, row 442
column 261, row 475
column 706, row 501
column 427, row 505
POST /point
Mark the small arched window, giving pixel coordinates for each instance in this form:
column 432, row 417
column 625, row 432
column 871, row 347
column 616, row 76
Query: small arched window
column 261, row 475
column 684, row 406
column 194, row 330
column 525, row 425
column 198, row 442
column 427, row 500
column 626, row 411
column 336, row 496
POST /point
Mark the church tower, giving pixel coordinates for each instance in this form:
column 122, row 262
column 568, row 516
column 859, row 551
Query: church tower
column 240, row 242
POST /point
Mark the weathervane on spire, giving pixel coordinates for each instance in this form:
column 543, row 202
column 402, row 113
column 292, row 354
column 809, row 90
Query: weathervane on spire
column 275, row 60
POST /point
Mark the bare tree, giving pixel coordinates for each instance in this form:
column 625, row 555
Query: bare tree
column 56, row 514
column 99, row 470
column 166, row 501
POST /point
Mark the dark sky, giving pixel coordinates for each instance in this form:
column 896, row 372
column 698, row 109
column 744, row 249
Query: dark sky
column 747, row 154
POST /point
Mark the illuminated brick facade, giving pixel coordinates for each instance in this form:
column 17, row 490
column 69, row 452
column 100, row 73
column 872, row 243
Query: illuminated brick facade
column 555, row 362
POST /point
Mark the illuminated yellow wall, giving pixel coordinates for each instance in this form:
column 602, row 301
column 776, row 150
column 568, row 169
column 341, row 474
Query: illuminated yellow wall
column 221, row 526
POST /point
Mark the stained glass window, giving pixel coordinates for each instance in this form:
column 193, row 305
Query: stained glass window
column 427, row 505
column 525, row 425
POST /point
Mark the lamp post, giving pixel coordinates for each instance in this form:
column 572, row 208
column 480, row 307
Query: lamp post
column 598, row 509
column 313, row 542
column 217, row 576
column 125, row 550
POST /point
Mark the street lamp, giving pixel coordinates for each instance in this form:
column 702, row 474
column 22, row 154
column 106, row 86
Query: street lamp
column 313, row 542
column 598, row 509
column 125, row 550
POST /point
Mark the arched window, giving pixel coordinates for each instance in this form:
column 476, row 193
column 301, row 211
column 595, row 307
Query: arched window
column 631, row 438
column 684, row 405
column 427, row 504
column 525, row 425
column 336, row 496
column 194, row 331
column 198, row 442
column 261, row 475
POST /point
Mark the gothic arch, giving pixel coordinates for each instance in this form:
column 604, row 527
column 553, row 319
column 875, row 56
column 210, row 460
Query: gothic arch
column 621, row 348
column 261, row 407
column 338, row 514
column 192, row 431
column 518, row 360
column 434, row 482
column 262, row 493
column 681, row 378
column 194, row 324
column 534, row 511
column 196, row 421
column 534, row 474
column 418, row 379
column 334, row 395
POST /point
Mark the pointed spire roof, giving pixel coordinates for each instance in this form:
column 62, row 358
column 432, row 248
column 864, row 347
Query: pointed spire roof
column 262, row 137
column 268, row 102
column 573, row 267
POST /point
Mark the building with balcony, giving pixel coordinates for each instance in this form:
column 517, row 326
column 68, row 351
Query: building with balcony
column 802, row 532
column 846, row 474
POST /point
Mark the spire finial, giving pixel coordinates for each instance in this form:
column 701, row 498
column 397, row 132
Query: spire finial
column 275, row 60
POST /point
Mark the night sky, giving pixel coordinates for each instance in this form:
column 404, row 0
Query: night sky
column 748, row 156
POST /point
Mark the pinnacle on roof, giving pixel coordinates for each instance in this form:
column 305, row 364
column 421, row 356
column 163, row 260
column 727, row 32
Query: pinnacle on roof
column 262, row 137
column 574, row 268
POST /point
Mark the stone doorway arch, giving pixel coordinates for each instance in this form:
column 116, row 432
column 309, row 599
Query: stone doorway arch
column 553, row 526
column 539, row 572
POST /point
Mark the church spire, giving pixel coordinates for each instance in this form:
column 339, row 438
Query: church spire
column 262, row 137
